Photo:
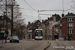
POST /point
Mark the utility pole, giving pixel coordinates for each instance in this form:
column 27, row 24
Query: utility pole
column 38, row 14
column 6, row 7
column 6, row 21
column 12, row 19
column 63, row 5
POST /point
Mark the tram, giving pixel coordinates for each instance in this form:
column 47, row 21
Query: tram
column 38, row 34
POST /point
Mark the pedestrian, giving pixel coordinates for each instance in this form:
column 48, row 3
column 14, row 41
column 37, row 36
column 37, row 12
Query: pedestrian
column 24, row 37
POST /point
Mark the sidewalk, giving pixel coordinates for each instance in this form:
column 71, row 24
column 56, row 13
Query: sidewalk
column 2, row 41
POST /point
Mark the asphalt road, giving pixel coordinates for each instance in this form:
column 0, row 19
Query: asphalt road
column 62, row 45
column 38, row 45
column 24, row 45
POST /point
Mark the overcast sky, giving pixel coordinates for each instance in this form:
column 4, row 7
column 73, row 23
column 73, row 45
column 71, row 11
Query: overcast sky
column 31, row 15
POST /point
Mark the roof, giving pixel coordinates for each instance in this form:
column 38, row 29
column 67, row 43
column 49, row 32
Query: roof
column 50, row 19
column 70, row 14
column 45, row 21
column 33, row 25
column 57, row 15
column 28, row 27
column 36, row 21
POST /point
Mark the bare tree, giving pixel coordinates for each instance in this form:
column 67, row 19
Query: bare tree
column 17, row 15
column 73, row 6
column 17, row 18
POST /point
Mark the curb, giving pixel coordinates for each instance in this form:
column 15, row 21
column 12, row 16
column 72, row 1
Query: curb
column 47, row 46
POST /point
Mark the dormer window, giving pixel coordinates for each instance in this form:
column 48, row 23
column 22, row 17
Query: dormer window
column 70, row 19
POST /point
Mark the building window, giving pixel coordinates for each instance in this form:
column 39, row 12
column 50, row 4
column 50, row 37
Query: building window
column 70, row 31
column 70, row 25
column 45, row 31
column 70, row 19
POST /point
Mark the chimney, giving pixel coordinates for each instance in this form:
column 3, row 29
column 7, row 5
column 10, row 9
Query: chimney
column 28, row 23
column 48, row 18
column 42, row 20
column 63, row 15
column 55, row 14
column 68, row 13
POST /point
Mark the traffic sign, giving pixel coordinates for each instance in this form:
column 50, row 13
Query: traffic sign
column 2, row 28
column 2, row 31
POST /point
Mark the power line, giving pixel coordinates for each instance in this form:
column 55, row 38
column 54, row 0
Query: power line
column 53, row 10
column 30, row 6
column 47, row 10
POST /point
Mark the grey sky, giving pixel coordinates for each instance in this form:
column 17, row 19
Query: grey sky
column 30, row 15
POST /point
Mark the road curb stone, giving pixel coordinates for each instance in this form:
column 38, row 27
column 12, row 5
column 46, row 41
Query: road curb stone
column 49, row 43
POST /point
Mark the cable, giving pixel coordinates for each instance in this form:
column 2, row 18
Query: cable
column 30, row 6
column 53, row 10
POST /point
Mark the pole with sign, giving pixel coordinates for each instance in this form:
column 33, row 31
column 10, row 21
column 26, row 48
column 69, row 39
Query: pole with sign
column 2, row 29
column 2, row 32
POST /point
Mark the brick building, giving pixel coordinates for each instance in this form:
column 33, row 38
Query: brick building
column 68, row 26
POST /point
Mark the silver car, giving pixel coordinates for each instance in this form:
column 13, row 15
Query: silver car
column 15, row 39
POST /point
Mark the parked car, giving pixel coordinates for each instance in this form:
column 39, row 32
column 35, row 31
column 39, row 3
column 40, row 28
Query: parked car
column 15, row 39
column 8, row 39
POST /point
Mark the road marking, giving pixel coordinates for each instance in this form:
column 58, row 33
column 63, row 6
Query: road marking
column 49, row 43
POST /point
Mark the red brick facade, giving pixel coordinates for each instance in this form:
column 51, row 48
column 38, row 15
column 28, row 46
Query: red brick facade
column 66, row 29
column 74, row 30
column 53, row 33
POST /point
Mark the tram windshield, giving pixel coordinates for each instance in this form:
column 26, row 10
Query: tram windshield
column 38, row 33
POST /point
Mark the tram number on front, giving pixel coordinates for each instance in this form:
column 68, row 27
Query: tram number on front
column 38, row 36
